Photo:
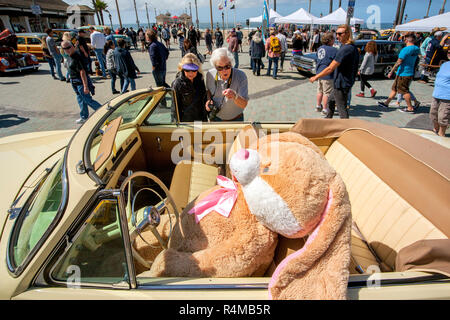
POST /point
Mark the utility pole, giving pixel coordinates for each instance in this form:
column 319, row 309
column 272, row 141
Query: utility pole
column 443, row 7
column 339, row 3
column 331, row 6
column 190, row 11
column 428, row 10
column 397, row 14
column 402, row 12
column 274, row 5
column 210, row 12
column 118, row 14
column 135, row 10
column 309, row 10
column 148, row 19
column 196, row 15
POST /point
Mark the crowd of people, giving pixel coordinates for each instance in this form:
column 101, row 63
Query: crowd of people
column 222, row 94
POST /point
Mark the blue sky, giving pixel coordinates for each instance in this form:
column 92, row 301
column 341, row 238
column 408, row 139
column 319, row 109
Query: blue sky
column 415, row 9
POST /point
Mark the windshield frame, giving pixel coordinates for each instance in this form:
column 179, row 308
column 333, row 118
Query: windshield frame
column 15, row 270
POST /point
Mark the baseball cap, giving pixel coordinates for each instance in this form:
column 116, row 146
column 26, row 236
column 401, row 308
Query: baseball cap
column 439, row 33
column 190, row 67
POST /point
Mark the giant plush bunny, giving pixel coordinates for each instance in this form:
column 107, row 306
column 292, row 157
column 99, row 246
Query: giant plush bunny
column 283, row 186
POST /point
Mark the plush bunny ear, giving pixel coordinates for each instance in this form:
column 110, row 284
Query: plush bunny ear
column 320, row 269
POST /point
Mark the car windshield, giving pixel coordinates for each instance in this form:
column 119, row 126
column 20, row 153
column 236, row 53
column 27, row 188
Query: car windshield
column 37, row 215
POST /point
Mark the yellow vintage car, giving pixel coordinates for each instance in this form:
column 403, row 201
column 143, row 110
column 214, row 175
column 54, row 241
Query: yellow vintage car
column 31, row 43
column 74, row 212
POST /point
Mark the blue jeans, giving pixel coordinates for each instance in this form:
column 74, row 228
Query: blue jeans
column 127, row 82
column 114, row 75
column 57, row 60
column 51, row 63
column 256, row 65
column 160, row 78
column 275, row 66
column 236, row 59
column 84, row 100
column 101, row 60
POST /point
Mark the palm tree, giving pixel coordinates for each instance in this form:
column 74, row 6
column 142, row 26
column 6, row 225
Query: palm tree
column 100, row 6
column 428, row 10
column 96, row 11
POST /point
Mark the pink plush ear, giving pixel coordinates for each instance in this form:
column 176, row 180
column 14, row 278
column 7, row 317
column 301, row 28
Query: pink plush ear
column 320, row 269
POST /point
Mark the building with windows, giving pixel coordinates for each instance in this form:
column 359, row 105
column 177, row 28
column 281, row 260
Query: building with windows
column 37, row 15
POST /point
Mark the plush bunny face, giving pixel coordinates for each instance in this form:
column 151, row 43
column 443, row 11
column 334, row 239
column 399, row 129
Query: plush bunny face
column 285, row 184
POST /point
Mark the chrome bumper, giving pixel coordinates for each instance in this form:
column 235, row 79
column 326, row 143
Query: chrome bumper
column 303, row 67
column 20, row 69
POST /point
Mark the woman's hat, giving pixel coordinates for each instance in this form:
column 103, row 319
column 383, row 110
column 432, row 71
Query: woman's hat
column 190, row 67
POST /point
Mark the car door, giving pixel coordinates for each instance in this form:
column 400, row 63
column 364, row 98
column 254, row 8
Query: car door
column 21, row 44
column 34, row 46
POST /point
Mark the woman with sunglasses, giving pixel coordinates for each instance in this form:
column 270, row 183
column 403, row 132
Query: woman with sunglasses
column 190, row 90
column 227, row 88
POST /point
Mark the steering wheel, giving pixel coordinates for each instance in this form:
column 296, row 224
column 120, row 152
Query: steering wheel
column 151, row 215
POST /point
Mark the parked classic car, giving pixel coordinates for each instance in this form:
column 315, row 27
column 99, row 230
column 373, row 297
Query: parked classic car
column 127, row 39
column 73, row 213
column 387, row 56
column 10, row 59
column 31, row 43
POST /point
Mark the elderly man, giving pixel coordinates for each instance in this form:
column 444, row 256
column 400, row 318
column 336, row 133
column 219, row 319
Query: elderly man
column 98, row 41
column 81, row 83
column 226, row 88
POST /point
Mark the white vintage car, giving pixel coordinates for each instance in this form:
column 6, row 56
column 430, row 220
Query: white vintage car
column 74, row 212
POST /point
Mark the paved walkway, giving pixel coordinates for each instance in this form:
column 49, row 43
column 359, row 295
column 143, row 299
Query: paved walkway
column 35, row 102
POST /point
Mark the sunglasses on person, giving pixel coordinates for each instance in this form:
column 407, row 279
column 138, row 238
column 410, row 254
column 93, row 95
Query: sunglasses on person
column 190, row 71
column 66, row 48
column 340, row 33
column 220, row 68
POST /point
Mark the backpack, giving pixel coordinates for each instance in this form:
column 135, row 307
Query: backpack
column 275, row 45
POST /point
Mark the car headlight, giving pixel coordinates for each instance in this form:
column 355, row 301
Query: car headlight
column 33, row 57
column 5, row 62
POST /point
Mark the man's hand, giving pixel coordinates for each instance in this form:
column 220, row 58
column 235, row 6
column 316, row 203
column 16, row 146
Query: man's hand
column 153, row 68
column 313, row 79
column 86, row 90
column 390, row 75
column 230, row 94
column 207, row 105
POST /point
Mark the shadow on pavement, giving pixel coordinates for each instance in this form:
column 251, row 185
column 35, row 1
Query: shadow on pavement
column 10, row 120
column 9, row 82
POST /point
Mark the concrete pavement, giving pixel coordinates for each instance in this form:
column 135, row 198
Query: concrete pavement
column 35, row 102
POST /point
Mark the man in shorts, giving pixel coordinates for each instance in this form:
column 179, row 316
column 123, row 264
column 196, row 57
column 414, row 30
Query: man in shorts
column 406, row 67
column 440, row 107
column 325, row 55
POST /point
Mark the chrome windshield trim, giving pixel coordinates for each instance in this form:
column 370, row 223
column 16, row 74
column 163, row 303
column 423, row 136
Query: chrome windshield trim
column 247, row 286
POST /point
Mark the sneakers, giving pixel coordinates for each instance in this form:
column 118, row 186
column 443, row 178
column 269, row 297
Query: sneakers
column 319, row 108
column 81, row 121
column 361, row 95
column 325, row 112
column 416, row 105
column 405, row 110
column 373, row 92
column 382, row 105
column 116, row 92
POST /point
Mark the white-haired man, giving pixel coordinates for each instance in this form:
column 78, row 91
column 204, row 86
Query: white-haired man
column 227, row 88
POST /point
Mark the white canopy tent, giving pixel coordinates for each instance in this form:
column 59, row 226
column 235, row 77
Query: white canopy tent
column 301, row 16
column 427, row 24
column 338, row 17
column 273, row 15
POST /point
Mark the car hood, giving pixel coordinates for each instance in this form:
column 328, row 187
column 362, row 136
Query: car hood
column 21, row 154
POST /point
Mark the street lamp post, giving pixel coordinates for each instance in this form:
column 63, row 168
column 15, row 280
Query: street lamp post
column 118, row 14
column 148, row 19
column 428, row 10
column 135, row 10
column 196, row 15
column 443, row 7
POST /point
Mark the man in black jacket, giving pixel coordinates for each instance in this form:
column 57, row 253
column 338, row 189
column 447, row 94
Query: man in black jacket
column 192, row 36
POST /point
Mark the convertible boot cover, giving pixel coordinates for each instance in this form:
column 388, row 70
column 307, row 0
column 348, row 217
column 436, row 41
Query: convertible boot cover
column 284, row 187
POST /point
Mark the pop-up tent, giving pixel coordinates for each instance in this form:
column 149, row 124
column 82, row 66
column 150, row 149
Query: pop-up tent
column 301, row 16
column 273, row 15
column 338, row 17
column 427, row 24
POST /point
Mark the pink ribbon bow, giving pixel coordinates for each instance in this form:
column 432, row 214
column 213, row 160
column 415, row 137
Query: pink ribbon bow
column 221, row 200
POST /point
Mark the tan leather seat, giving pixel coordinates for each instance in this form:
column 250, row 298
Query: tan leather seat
column 381, row 209
column 190, row 179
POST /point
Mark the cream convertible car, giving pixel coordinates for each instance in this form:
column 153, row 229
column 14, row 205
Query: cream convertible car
column 74, row 213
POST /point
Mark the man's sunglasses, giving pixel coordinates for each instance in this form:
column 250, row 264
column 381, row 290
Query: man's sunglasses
column 340, row 33
column 227, row 67
column 67, row 48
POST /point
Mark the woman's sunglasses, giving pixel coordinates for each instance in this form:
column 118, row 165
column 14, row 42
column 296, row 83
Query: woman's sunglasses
column 67, row 48
column 190, row 71
column 227, row 67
